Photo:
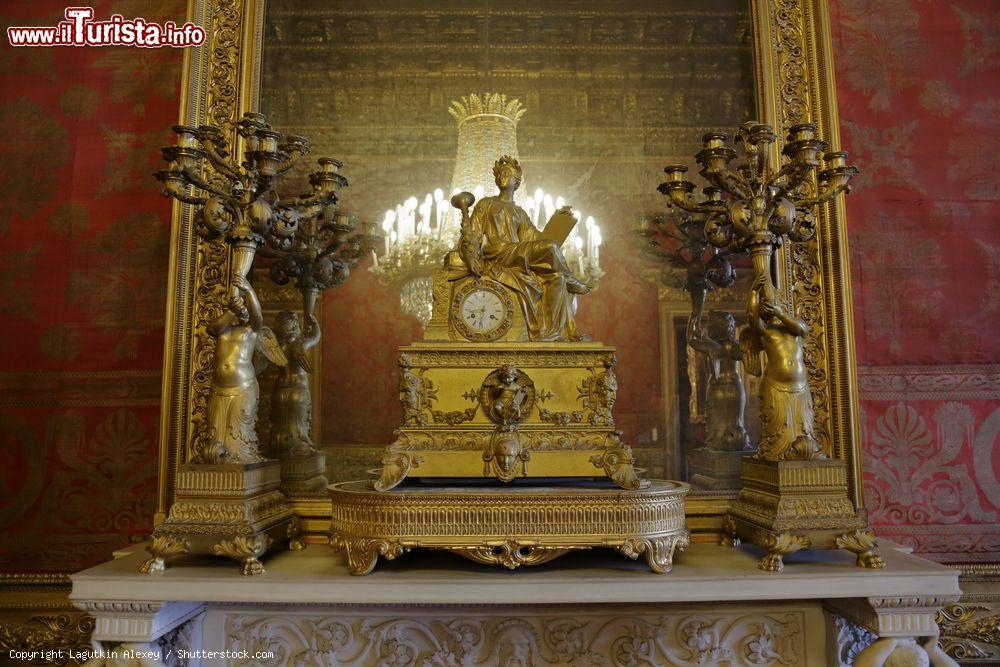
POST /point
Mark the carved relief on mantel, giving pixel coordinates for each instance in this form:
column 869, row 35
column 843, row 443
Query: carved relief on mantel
column 691, row 637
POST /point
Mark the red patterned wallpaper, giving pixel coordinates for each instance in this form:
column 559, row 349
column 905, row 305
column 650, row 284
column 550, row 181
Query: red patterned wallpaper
column 83, row 254
column 918, row 86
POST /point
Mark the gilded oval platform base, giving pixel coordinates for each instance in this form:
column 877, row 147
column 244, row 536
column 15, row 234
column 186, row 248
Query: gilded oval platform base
column 508, row 526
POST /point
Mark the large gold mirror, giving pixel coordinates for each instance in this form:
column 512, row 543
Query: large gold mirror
column 610, row 93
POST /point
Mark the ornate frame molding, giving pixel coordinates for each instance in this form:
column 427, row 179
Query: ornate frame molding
column 794, row 84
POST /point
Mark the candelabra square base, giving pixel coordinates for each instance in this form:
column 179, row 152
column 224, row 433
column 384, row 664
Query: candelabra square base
column 785, row 506
column 235, row 511
column 508, row 526
column 715, row 470
column 304, row 476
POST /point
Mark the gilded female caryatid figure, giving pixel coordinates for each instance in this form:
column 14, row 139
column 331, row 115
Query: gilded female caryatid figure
column 291, row 402
column 725, row 398
column 786, row 409
column 513, row 252
column 232, row 403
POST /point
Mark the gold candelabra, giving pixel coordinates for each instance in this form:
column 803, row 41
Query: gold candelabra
column 228, row 499
column 322, row 251
column 235, row 192
column 753, row 208
column 793, row 492
column 689, row 262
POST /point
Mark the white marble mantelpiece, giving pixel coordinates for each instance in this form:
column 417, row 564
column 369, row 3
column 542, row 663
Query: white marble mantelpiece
column 583, row 606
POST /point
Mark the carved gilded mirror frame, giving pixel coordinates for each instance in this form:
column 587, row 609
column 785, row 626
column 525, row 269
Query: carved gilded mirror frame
column 794, row 84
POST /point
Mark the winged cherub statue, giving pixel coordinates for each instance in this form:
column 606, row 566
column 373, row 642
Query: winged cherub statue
column 786, row 408
column 232, row 404
column 291, row 402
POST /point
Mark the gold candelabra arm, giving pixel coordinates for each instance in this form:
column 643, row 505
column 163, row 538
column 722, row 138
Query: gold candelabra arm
column 219, row 163
column 729, row 181
column 791, row 175
column 192, row 178
column 296, row 148
column 175, row 186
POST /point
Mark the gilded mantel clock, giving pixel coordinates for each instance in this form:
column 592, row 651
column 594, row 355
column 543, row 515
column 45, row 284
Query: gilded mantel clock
column 482, row 311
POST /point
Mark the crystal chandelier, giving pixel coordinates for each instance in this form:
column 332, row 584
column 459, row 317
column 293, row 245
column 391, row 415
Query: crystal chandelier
column 419, row 232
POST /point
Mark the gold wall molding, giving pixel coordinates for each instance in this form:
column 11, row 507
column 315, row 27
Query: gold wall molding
column 794, row 80
column 64, row 633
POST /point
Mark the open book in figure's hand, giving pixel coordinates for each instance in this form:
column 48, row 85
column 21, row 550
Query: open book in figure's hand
column 559, row 226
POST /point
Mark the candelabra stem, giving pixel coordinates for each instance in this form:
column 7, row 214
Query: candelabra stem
column 243, row 254
column 309, row 300
column 698, row 294
column 760, row 256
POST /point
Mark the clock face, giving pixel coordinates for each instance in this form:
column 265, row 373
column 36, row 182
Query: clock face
column 482, row 310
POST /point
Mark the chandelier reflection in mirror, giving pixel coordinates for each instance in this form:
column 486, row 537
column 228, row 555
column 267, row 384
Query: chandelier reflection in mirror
column 419, row 231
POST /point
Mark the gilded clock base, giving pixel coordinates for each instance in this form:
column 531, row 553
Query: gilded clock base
column 507, row 410
column 508, row 526
column 787, row 506
column 234, row 511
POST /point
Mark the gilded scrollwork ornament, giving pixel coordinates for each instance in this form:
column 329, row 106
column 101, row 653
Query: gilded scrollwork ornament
column 963, row 626
column 659, row 551
column 618, row 463
column 416, row 394
column 599, row 393
column 512, row 554
column 363, row 554
column 396, row 465
column 561, row 417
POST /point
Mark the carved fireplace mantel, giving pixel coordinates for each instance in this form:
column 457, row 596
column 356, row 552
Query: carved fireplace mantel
column 715, row 607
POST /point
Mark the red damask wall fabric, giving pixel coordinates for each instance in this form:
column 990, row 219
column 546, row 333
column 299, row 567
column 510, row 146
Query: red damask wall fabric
column 918, row 85
column 84, row 243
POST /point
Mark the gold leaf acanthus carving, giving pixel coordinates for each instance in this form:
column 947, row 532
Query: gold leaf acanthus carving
column 64, row 634
column 804, row 257
column 963, row 624
column 213, row 256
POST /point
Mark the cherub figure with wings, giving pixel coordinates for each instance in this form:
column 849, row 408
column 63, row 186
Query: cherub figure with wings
column 232, row 404
column 786, row 408
column 291, row 402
